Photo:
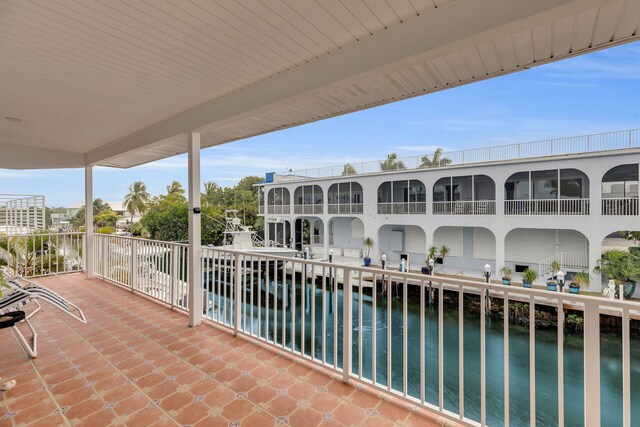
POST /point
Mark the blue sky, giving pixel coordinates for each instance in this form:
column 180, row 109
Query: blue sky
column 587, row 94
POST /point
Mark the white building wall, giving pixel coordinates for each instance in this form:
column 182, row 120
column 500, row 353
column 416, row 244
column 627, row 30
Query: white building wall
column 450, row 237
column 594, row 226
column 484, row 244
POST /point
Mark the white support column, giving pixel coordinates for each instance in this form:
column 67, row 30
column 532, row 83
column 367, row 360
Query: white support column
column 325, row 239
column 195, row 235
column 500, row 244
column 595, row 253
column 88, row 221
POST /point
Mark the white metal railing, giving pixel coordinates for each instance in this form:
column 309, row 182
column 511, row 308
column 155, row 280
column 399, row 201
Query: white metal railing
column 477, row 207
column 42, row 254
column 547, row 207
column 153, row 268
column 402, row 208
column 574, row 260
column 307, row 209
column 345, row 208
column 617, row 140
column 279, row 210
column 620, row 206
column 22, row 213
column 338, row 316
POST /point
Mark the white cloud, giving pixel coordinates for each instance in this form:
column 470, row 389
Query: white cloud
column 5, row 173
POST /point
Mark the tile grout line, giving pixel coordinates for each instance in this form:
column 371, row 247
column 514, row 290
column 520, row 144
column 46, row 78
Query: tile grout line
column 223, row 329
column 44, row 385
column 123, row 422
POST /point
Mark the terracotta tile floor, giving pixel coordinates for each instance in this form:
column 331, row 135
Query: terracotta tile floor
column 137, row 363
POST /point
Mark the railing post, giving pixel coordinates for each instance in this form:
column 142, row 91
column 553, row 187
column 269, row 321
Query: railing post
column 347, row 337
column 237, row 294
column 592, row 363
column 103, row 256
column 175, row 268
column 133, row 270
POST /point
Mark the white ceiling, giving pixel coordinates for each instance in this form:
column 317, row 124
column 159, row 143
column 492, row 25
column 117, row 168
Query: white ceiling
column 119, row 83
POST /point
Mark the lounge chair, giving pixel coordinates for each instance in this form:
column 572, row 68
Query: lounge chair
column 39, row 292
column 21, row 292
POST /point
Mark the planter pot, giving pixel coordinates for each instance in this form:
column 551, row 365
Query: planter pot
column 506, row 282
column 526, row 284
column 551, row 286
column 574, row 289
column 629, row 289
column 425, row 270
column 367, row 262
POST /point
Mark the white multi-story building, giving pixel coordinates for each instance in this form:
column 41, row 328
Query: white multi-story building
column 521, row 205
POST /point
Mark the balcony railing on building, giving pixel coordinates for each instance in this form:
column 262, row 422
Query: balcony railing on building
column 308, row 209
column 402, row 208
column 547, row 207
column 327, row 321
column 42, row 254
column 620, row 206
column 477, row 207
column 345, row 209
column 279, row 210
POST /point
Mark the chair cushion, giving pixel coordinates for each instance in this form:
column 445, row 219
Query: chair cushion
column 7, row 320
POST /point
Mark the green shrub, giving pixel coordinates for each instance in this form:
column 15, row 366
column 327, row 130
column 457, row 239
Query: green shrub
column 107, row 230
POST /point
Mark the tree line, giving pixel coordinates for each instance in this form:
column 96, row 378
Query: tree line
column 166, row 217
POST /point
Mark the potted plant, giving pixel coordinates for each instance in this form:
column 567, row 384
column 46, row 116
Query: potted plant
column 528, row 277
column 506, row 275
column 444, row 251
column 552, row 283
column 368, row 244
column 622, row 267
column 579, row 279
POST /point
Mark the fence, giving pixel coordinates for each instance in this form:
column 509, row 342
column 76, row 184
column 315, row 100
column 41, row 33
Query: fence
column 153, row 268
column 620, row 206
column 617, row 140
column 547, row 207
column 574, row 260
column 478, row 207
column 388, row 329
column 42, row 254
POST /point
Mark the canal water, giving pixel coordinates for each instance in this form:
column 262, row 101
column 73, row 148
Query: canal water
column 546, row 355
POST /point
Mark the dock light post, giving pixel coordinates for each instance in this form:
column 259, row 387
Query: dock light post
column 560, row 277
column 431, row 273
column 306, row 252
column 487, row 275
column 384, row 267
column 331, row 255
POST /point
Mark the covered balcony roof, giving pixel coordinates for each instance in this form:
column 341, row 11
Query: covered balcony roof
column 120, row 84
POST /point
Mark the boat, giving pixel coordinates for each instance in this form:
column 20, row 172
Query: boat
column 240, row 237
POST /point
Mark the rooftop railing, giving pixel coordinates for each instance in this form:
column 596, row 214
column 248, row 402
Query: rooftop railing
column 617, row 140
column 21, row 213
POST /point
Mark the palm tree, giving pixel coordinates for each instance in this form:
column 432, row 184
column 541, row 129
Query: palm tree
column 392, row 163
column 175, row 189
column 137, row 198
column 438, row 160
column 349, row 169
column 444, row 251
column 211, row 189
